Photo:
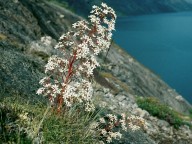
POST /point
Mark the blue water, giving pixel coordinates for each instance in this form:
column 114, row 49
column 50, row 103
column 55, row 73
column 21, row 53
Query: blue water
column 163, row 43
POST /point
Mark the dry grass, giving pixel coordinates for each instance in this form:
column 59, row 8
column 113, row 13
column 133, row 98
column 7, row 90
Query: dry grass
column 115, row 80
column 69, row 127
column 2, row 36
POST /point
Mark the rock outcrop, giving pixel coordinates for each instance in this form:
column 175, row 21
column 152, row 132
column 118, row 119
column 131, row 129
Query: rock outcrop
column 156, row 130
column 141, row 81
column 21, row 24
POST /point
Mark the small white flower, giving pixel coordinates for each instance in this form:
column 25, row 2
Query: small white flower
column 23, row 116
column 75, row 25
column 42, row 81
column 105, row 11
column 94, row 6
column 102, row 120
column 109, row 139
column 94, row 125
column 123, row 115
column 104, row 5
column 62, row 37
column 118, row 134
column 113, row 135
column 40, row 91
column 133, row 127
column 103, row 132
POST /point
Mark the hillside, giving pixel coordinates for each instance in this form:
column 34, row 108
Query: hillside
column 131, row 7
column 118, row 82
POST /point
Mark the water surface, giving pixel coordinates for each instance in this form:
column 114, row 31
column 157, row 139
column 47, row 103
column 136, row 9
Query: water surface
column 163, row 43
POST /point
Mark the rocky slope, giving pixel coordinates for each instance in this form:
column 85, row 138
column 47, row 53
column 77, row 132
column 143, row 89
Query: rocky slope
column 119, row 80
column 131, row 7
column 22, row 22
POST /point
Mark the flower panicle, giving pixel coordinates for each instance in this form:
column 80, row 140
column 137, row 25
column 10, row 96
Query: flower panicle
column 68, row 81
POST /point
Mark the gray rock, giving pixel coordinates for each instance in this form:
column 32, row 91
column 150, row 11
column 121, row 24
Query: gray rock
column 143, row 82
column 137, row 137
column 162, row 123
column 140, row 112
column 120, row 97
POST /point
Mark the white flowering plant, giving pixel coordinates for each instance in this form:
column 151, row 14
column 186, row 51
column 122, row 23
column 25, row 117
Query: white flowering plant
column 69, row 75
column 109, row 127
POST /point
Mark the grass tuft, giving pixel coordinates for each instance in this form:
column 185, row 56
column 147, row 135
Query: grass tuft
column 22, row 122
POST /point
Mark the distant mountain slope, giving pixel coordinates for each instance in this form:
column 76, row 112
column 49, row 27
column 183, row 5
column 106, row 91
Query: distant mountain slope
column 131, row 7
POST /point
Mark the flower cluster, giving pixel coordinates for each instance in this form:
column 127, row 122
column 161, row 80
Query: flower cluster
column 69, row 73
column 110, row 126
column 135, row 122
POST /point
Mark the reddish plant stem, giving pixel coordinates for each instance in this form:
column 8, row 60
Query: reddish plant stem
column 59, row 102
column 69, row 75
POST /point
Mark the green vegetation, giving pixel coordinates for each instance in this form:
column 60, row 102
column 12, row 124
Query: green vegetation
column 70, row 127
column 161, row 111
column 22, row 122
column 190, row 113
column 9, row 129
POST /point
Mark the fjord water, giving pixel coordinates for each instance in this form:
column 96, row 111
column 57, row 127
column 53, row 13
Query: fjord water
column 163, row 43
